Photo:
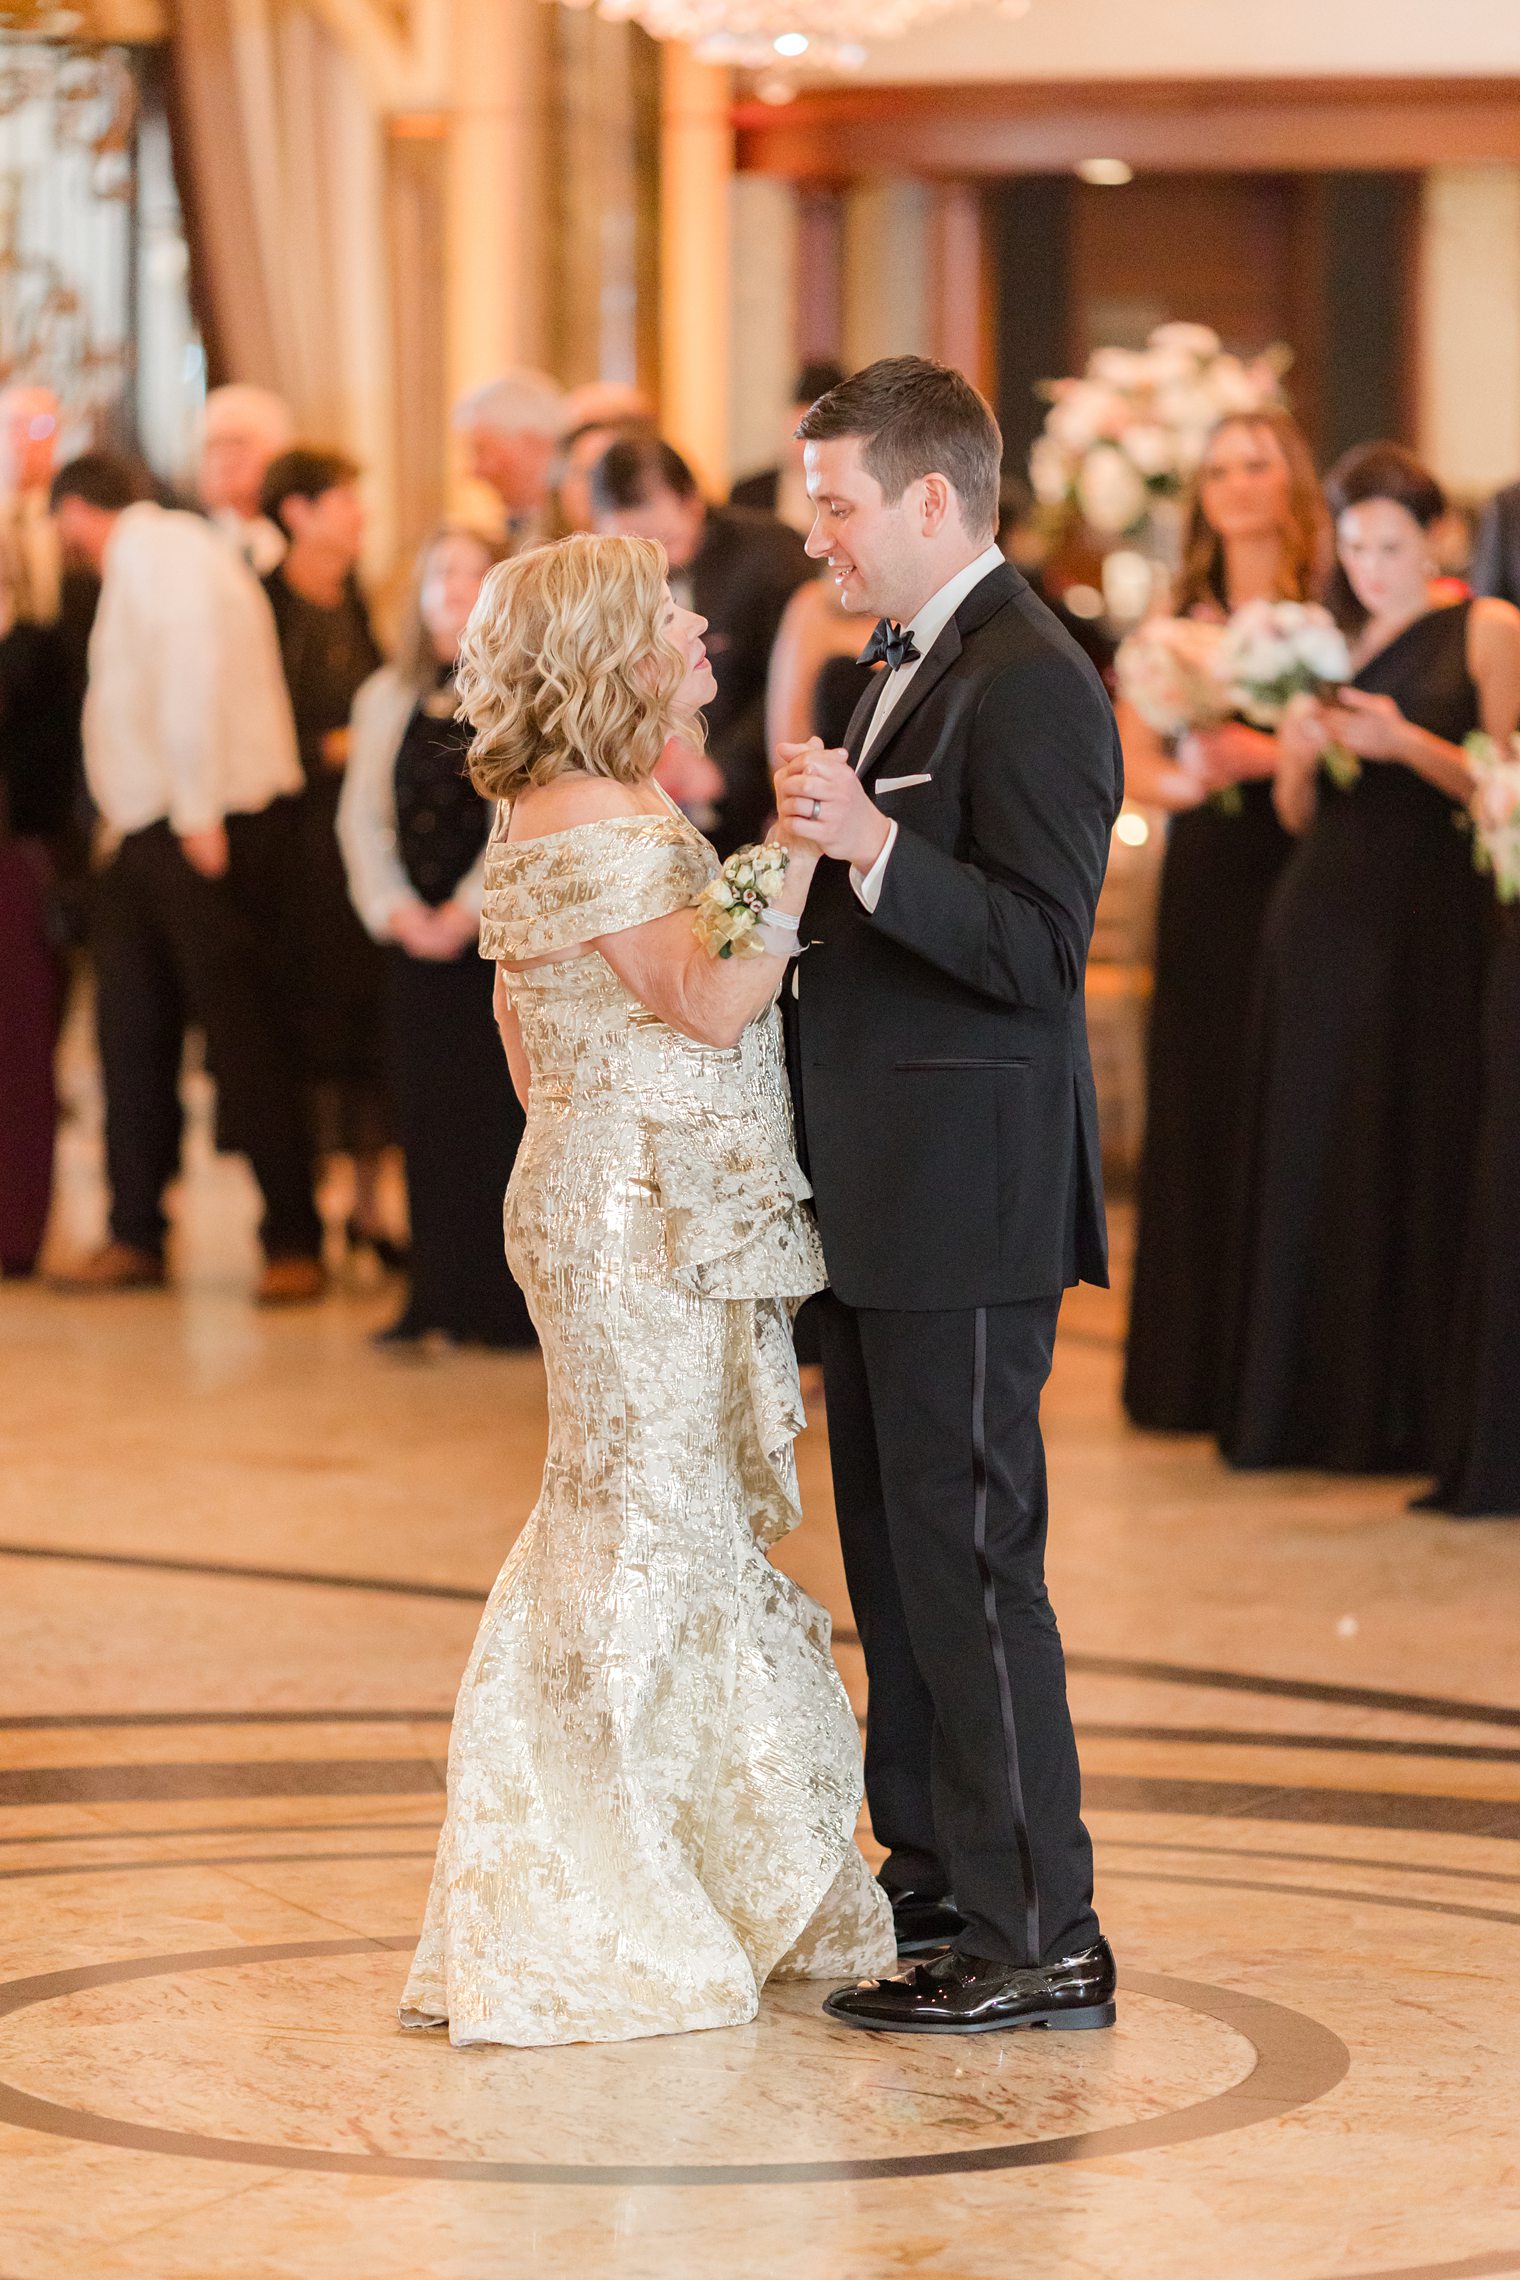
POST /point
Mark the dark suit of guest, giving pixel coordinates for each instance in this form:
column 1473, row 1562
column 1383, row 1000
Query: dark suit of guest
column 1496, row 550
column 948, row 1121
column 759, row 491
column 742, row 576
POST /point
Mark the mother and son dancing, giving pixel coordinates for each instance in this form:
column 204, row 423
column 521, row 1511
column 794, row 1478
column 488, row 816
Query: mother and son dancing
column 654, row 1776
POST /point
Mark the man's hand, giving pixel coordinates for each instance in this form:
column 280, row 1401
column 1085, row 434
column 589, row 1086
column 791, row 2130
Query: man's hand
column 206, row 851
column 822, row 803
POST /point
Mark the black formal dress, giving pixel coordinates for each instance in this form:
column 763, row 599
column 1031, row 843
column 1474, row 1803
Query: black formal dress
column 39, row 808
column 1480, row 1467
column 841, row 683
column 948, row 1122
column 741, row 578
column 1217, row 876
column 457, row 1116
column 328, row 654
column 1362, row 1106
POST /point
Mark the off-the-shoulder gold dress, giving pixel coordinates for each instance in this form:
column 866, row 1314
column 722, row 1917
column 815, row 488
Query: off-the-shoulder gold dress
column 654, row 1773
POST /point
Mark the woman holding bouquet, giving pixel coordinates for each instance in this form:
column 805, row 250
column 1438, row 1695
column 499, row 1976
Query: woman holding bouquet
column 1480, row 1455
column 1364, row 1076
column 1255, row 531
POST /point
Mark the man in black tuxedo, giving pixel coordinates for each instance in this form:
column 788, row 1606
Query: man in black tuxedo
column 948, row 1122
column 1496, row 549
column 736, row 567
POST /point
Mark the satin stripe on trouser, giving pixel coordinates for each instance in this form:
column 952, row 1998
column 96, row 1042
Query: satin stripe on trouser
column 971, row 1769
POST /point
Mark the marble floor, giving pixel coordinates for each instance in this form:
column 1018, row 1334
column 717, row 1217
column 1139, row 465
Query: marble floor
column 241, row 1559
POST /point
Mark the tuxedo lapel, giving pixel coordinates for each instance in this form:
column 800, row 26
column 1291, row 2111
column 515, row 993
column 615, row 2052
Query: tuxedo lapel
column 861, row 718
column 933, row 670
column 985, row 599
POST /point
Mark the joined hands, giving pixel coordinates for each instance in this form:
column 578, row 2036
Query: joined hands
column 823, row 808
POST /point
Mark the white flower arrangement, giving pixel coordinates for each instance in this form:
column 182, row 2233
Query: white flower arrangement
column 1168, row 669
column 1495, row 809
column 732, row 908
column 1273, row 652
column 1132, row 429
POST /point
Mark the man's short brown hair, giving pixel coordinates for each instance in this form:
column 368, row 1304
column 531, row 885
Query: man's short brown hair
column 917, row 418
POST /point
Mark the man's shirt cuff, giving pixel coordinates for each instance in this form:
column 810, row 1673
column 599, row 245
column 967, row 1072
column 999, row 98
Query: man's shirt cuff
column 868, row 888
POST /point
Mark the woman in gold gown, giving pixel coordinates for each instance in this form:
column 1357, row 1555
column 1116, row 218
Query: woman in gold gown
column 654, row 1774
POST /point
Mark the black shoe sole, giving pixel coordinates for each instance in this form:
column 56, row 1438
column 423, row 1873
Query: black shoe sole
column 1084, row 2021
column 927, row 1947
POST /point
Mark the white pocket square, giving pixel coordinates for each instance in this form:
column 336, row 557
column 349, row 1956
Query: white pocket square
column 899, row 783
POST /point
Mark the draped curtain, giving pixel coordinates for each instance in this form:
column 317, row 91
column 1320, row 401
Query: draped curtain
column 281, row 163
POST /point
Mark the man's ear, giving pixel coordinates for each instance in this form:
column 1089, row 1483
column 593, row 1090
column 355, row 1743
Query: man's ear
column 938, row 504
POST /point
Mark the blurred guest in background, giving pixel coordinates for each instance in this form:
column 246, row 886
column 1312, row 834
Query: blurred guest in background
column 737, row 568
column 191, row 758
column 28, row 450
column 782, row 489
column 511, row 429
column 38, row 770
column 1496, row 549
column 1479, row 1452
column 595, row 417
column 1255, row 529
column 816, row 677
column 329, row 649
column 243, row 430
column 413, row 830
column 1362, row 1094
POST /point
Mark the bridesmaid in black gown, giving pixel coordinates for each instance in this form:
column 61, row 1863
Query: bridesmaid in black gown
column 1363, row 1104
column 1480, row 1470
column 1256, row 530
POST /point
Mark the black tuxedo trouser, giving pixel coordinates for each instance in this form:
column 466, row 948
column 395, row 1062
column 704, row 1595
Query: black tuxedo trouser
column 939, row 1481
column 171, row 947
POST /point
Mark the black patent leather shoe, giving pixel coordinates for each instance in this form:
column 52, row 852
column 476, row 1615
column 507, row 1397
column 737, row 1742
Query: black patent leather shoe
column 970, row 1995
column 925, row 1922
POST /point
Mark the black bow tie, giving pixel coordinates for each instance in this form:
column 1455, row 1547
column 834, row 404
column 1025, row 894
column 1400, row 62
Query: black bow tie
column 889, row 641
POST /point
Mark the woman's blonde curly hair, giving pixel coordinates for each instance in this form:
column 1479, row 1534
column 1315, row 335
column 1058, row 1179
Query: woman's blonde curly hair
column 566, row 667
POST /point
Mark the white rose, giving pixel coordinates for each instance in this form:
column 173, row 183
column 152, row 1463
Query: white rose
column 1189, row 340
column 1127, row 369
column 1049, row 471
column 1110, row 491
column 1152, row 448
column 1079, row 416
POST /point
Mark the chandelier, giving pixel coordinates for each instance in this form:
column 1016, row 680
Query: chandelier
column 764, row 35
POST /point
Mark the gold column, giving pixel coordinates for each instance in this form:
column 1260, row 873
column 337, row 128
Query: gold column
column 696, row 166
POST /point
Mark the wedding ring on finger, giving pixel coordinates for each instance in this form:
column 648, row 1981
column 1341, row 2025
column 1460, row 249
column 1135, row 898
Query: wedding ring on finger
column 817, row 810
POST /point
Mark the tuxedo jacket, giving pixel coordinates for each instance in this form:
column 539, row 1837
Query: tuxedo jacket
column 742, row 576
column 938, row 1045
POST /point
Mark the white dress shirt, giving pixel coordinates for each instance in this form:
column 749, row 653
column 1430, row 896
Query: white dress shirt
column 377, row 881
column 187, row 716
column 925, row 629
column 261, row 543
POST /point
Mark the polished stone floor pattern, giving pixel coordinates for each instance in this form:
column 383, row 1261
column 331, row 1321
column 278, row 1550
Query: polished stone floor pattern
column 241, row 1559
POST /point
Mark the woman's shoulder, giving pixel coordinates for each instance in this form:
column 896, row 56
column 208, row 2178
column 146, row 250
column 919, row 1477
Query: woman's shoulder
column 546, row 810
column 1493, row 627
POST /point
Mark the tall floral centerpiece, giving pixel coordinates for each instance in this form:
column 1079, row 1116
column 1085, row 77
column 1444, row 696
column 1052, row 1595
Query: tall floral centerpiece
column 1120, row 444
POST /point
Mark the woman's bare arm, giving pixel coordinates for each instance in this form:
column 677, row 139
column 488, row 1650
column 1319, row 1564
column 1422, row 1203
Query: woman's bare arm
column 712, row 1000
column 1152, row 777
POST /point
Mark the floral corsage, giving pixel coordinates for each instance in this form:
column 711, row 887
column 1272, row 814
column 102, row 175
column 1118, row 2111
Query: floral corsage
column 733, row 915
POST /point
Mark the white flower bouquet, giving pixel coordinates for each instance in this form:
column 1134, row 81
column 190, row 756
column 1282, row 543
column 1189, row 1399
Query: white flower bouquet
column 1168, row 669
column 1495, row 812
column 1273, row 652
column 1132, row 429
column 731, row 908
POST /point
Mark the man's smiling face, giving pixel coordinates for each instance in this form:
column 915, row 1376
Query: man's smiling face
column 867, row 541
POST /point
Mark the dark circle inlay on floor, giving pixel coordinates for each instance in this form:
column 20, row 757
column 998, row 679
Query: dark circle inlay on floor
column 1297, row 2061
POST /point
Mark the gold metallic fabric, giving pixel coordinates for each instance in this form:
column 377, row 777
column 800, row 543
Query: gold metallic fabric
column 654, row 1774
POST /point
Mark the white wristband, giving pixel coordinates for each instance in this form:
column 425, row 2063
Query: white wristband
column 778, row 932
